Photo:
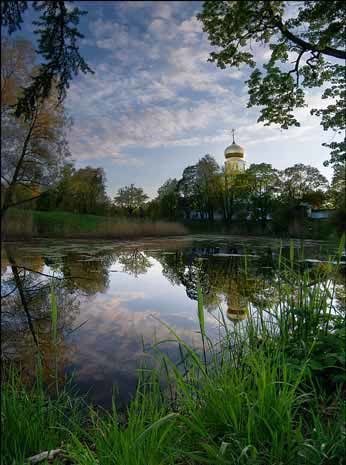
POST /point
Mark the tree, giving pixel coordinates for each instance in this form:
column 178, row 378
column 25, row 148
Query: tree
column 207, row 177
column 299, row 180
column 58, row 37
column 313, row 32
column 168, row 198
column 337, row 198
column 187, row 190
column 263, row 186
column 33, row 147
column 337, row 192
column 79, row 191
column 130, row 198
column 236, row 195
column 87, row 190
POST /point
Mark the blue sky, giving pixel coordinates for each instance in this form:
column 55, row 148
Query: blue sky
column 155, row 105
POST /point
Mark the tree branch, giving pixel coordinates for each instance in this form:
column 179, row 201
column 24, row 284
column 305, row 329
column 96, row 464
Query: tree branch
column 333, row 52
column 9, row 192
column 296, row 67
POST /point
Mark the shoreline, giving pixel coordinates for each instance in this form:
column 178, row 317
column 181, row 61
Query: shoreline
column 236, row 237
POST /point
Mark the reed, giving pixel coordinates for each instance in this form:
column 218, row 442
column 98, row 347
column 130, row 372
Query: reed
column 21, row 224
column 17, row 225
column 269, row 391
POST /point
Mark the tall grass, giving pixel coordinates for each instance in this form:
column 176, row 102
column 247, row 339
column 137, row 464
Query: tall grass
column 31, row 421
column 21, row 224
column 17, row 224
column 270, row 391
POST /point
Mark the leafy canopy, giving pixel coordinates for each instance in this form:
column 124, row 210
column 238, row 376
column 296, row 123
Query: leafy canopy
column 130, row 198
column 313, row 33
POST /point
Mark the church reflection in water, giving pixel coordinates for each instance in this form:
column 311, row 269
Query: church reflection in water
column 106, row 297
column 228, row 279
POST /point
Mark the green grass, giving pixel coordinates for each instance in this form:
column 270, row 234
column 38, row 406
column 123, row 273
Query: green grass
column 60, row 221
column 32, row 421
column 271, row 391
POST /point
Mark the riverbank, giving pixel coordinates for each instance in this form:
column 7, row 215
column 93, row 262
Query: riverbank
column 26, row 224
column 31, row 224
column 271, row 390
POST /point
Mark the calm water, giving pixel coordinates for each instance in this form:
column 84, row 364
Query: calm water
column 111, row 296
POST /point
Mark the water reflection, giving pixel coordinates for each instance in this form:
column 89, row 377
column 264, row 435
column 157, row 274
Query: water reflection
column 110, row 300
column 26, row 315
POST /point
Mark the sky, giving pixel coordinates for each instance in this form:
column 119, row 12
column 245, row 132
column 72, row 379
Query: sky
column 156, row 105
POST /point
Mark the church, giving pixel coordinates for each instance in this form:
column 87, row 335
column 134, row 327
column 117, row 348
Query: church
column 235, row 158
column 234, row 164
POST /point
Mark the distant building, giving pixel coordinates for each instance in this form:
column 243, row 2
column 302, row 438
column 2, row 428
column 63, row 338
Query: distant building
column 235, row 158
column 316, row 214
column 320, row 214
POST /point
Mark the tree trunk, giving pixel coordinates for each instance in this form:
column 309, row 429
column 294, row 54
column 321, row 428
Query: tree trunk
column 9, row 193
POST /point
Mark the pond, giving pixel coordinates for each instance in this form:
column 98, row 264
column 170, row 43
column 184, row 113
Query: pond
column 116, row 299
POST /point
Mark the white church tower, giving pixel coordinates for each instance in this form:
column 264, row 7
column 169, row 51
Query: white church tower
column 235, row 158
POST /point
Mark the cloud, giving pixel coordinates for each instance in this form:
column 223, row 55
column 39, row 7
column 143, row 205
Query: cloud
column 154, row 87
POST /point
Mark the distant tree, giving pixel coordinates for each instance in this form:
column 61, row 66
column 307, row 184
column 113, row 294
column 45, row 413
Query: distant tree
column 337, row 198
column 63, row 195
column 315, row 198
column 311, row 32
column 207, row 177
column 168, row 198
column 263, row 187
column 337, row 191
column 130, row 198
column 88, row 190
column 188, row 191
column 299, row 180
column 78, row 191
column 236, row 196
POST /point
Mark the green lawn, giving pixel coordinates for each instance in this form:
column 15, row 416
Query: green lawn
column 57, row 220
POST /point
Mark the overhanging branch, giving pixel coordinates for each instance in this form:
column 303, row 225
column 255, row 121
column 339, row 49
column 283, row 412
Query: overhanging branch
column 333, row 52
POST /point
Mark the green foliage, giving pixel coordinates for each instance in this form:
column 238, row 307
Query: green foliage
column 147, row 438
column 31, row 421
column 300, row 180
column 58, row 37
column 263, row 187
column 78, row 191
column 168, row 198
column 130, row 198
column 313, row 34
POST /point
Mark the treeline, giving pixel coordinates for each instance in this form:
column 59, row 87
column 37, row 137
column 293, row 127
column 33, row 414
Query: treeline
column 260, row 196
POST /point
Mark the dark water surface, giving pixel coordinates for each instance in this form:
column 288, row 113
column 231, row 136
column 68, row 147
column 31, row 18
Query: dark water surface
column 111, row 296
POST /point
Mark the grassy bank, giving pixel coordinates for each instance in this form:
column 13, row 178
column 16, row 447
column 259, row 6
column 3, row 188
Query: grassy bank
column 270, row 391
column 26, row 224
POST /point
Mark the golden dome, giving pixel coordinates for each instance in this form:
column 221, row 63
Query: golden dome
column 234, row 150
